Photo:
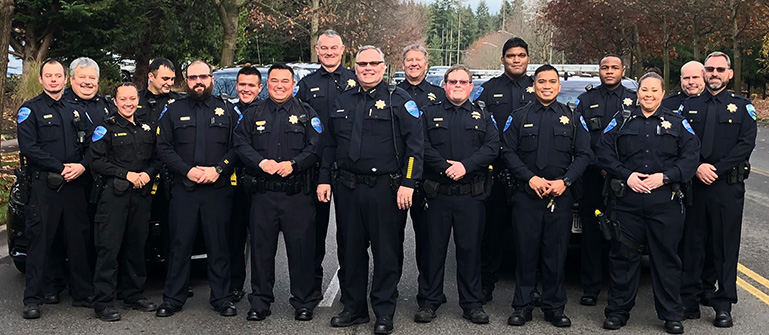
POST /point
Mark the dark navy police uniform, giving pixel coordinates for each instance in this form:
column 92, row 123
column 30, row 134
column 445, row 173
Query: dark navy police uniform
column 97, row 108
column 151, row 106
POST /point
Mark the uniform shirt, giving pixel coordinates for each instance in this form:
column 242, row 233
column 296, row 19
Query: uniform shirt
column 663, row 142
column 503, row 95
column 377, row 151
column 735, row 128
column 278, row 132
column 321, row 88
column 96, row 108
column 673, row 101
column 424, row 93
column 599, row 105
column 522, row 142
column 151, row 105
column 120, row 146
column 179, row 134
column 460, row 133
column 48, row 135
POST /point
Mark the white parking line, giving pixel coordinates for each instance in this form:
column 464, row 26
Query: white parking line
column 331, row 291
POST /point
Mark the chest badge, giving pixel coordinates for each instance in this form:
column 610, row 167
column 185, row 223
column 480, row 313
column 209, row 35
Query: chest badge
column 475, row 115
column 260, row 125
column 219, row 111
column 293, row 119
column 431, row 96
column 350, row 82
column 627, row 101
column 732, row 108
column 530, row 89
column 146, row 127
column 564, row 119
column 170, row 101
column 380, row 104
column 666, row 124
column 76, row 114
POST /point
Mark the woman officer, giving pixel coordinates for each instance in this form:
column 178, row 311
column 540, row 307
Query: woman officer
column 649, row 153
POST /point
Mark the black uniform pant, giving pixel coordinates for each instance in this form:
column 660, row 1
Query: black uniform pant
column 464, row 214
column 370, row 215
column 496, row 227
column 206, row 208
column 241, row 206
column 294, row 215
column 120, row 235
column 541, row 239
column 716, row 214
column 594, row 249
column 47, row 212
column 421, row 240
column 656, row 221
column 322, row 210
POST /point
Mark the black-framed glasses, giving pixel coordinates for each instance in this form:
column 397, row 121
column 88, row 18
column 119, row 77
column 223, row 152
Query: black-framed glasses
column 372, row 63
column 460, row 82
column 712, row 69
column 195, row 77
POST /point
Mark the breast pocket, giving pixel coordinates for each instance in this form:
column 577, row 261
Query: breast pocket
column 184, row 131
column 628, row 143
column 50, row 129
column 562, row 138
column 438, row 132
column 377, row 122
column 728, row 126
column 476, row 130
column 295, row 136
column 342, row 124
column 317, row 94
column 528, row 139
column 668, row 143
column 124, row 147
column 219, row 128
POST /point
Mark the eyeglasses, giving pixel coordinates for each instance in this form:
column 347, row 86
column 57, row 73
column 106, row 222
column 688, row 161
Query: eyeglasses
column 168, row 78
column 712, row 69
column 195, row 77
column 460, row 82
column 372, row 63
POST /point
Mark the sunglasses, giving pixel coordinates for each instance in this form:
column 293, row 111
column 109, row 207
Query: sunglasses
column 712, row 69
column 460, row 82
column 195, row 77
column 372, row 63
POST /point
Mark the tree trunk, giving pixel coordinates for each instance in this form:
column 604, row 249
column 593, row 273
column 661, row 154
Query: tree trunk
column 314, row 30
column 6, row 14
column 666, row 54
column 737, row 58
column 228, row 11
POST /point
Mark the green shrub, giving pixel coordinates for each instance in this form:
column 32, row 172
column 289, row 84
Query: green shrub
column 28, row 85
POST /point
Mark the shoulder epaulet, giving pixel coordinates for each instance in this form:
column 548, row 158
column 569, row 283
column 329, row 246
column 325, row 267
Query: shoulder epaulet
column 110, row 120
column 589, row 87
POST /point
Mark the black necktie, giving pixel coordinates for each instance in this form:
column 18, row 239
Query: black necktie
column 200, row 134
column 455, row 131
column 612, row 104
column 710, row 129
column 545, row 133
column 357, row 127
column 281, row 117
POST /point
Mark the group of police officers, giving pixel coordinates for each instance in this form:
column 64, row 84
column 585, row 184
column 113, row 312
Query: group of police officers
column 663, row 177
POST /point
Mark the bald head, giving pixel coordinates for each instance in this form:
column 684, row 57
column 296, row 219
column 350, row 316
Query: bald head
column 692, row 81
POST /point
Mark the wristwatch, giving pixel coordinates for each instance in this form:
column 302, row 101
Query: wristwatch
column 566, row 181
column 293, row 164
column 665, row 179
column 219, row 169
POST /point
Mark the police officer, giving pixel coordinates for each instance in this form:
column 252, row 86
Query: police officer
column 83, row 93
column 376, row 142
column 502, row 95
column 648, row 153
column 248, row 84
column 154, row 98
column 276, row 142
column 460, row 143
column 320, row 89
column 52, row 138
column 726, row 125
column 546, row 147
column 123, row 152
column 598, row 106
column 195, row 142
column 692, row 84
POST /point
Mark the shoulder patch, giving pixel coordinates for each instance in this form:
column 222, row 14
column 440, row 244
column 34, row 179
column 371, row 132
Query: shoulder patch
column 687, row 126
column 477, row 93
column 316, row 124
column 98, row 133
column 23, row 114
column 749, row 107
column 240, row 115
column 584, row 124
column 576, row 102
column 411, row 107
column 508, row 123
column 296, row 89
column 163, row 112
column 610, row 126
column 680, row 109
column 494, row 122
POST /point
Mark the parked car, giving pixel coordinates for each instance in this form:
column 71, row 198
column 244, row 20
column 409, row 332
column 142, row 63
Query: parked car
column 225, row 81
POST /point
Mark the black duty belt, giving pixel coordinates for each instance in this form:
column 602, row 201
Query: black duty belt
column 350, row 179
column 455, row 189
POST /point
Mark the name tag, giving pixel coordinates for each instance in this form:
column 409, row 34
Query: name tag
column 184, row 118
column 315, row 89
column 438, row 119
column 261, row 123
column 340, row 110
column 47, row 116
column 593, row 106
column 120, row 134
column 692, row 112
column 528, row 125
column 498, row 95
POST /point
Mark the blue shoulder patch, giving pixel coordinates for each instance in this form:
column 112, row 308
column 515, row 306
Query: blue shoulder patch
column 316, row 125
column 680, row 109
column 611, row 126
column 751, row 111
column 296, row 90
column 494, row 121
column 508, row 123
column 687, row 126
column 477, row 93
column 412, row 108
column 163, row 112
column 23, row 114
column 576, row 102
column 240, row 115
column 584, row 125
column 98, row 133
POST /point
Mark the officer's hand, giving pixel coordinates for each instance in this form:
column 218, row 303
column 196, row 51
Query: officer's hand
column 144, row 178
column 270, row 166
column 557, row 187
column 284, row 168
column 404, row 197
column 324, row 192
column 195, row 174
column 539, row 185
column 654, row 181
column 706, row 173
column 72, row 171
column 456, row 171
column 635, row 181
column 134, row 179
column 209, row 175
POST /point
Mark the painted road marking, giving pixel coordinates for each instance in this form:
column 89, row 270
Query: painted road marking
column 753, row 290
column 331, row 291
column 755, row 276
column 759, row 171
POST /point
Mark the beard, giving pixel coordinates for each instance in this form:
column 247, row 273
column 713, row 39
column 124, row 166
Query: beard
column 203, row 95
column 715, row 86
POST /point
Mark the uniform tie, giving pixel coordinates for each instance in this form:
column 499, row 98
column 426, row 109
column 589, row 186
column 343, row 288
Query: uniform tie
column 710, row 128
column 613, row 104
column 281, row 117
column 455, row 131
column 357, row 128
column 545, row 134
column 200, row 135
